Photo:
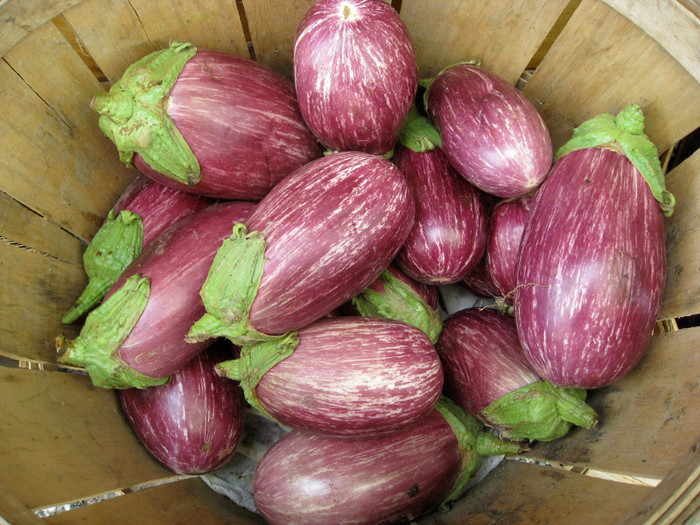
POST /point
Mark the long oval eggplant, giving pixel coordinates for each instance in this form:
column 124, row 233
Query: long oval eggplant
column 488, row 375
column 194, row 422
column 136, row 337
column 592, row 263
column 207, row 122
column 316, row 240
column 318, row 480
column 491, row 133
column 449, row 233
column 355, row 74
column 349, row 377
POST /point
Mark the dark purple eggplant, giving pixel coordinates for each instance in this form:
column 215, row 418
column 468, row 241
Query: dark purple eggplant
column 355, row 74
column 449, row 233
column 206, row 122
column 316, row 240
column 141, row 213
column 491, row 133
column 136, row 337
column 194, row 422
column 316, row 480
column 488, row 375
column 592, row 263
column 350, row 377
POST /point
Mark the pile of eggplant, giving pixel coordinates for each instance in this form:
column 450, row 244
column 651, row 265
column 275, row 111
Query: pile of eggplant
column 284, row 245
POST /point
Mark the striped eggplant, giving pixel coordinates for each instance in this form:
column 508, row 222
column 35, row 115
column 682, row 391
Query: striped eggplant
column 317, row 480
column 206, row 122
column 479, row 282
column 506, row 225
column 487, row 374
column 491, row 133
column 141, row 213
column 355, row 74
column 316, row 240
column 592, row 262
column 136, row 337
column 349, row 377
column 449, row 233
column 194, row 422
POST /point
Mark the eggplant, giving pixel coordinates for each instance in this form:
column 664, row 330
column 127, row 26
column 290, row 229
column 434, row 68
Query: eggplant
column 449, row 233
column 479, row 281
column 316, row 240
column 491, row 133
column 207, row 122
column 488, row 375
column 592, row 262
column 136, row 337
column 194, row 422
column 141, row 213
column 355, row 73
column 347, row 377
column 317, row 480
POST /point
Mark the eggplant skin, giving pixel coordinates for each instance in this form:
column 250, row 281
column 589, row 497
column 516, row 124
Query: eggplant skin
column 314, row 480
column 591, row 270
column 194, row 422
column 354, row 377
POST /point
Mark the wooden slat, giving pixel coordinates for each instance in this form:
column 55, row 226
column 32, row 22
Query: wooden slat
column 682, row 293
column 601, row 62
column 61, row 439
column 13, row 511
column 648, row 419
column 181, row 502
column 504, row 39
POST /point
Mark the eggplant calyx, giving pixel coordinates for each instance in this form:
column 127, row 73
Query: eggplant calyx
column 106, row 328
column 401, row 302
column 133, row 114
column 419, row 134
column 625, row 134
column 115, row 245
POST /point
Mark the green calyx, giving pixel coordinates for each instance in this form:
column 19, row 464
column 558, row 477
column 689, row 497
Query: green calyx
column 401, row 302
column 134, row 114
column 475, row 444
column 625, row 133
column 419, row 134
column 425, row 83
column 115, row 245
column 106, row 328
column 230, row 289
column 255, row 360
column 539, row 411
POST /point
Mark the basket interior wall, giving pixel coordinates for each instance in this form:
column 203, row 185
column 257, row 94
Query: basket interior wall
column 59, row 176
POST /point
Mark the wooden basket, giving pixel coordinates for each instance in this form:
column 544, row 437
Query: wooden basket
column 64, row 442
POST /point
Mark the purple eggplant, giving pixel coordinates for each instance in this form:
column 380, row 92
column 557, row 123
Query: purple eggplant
column 136, row 337
column 355, row 74
column 592, row 262
column 141, row 213
column 316, row 240
column 449, row 233
column 488, row 375
column 350, row 377
column 194, row 422
column 206, row 122
column 317, row 480
column 491, row 133
column 479, row 282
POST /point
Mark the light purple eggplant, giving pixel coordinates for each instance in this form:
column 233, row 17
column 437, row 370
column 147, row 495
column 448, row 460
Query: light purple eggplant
column 194, row 422
column 207, row 122
column 136, row 337
column 449, row 233
column 317, row 480
column 347, row 377
column 506, row 226
column 144, row 209
column 592, row 262
column 491, row 133
column 316, row 240
column 488, row 375
column 355, row 74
